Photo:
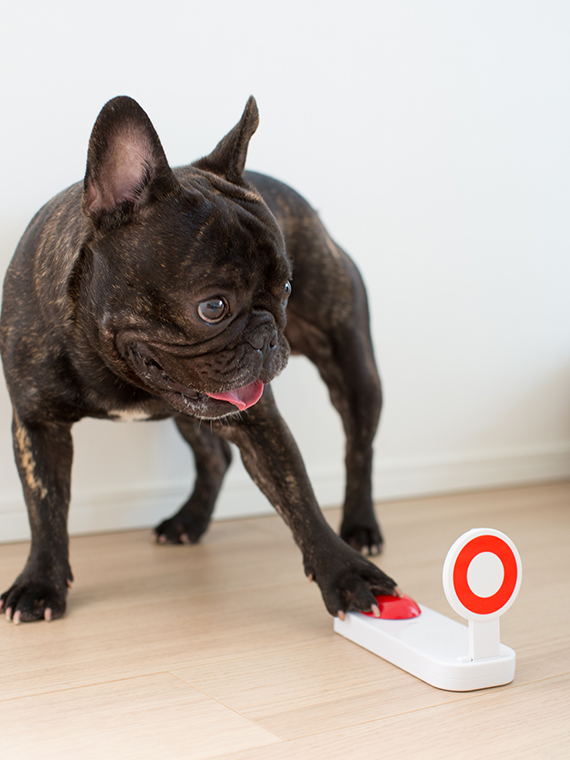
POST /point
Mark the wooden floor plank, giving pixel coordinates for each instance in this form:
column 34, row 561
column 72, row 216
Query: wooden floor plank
column 113, row 644
column 525, row 723
column 150, row 717
column 315, row 689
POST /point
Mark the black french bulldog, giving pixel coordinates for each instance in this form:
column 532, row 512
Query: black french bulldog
column 153, row 293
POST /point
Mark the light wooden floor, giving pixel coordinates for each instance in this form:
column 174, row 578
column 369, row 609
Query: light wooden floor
column 225, row 650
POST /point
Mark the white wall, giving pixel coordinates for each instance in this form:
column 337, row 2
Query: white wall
column 433, row 139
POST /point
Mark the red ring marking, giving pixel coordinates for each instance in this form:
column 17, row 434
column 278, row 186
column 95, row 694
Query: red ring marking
column 485, row 605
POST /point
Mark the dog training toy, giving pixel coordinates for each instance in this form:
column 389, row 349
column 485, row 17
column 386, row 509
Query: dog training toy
column 482, row 574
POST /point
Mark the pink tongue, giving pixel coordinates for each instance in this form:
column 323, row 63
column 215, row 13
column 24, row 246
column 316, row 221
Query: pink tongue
column 241, row 397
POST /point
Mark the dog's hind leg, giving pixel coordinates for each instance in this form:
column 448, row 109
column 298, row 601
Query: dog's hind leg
column 357, row 395
column 344, row 356
column 212, row 456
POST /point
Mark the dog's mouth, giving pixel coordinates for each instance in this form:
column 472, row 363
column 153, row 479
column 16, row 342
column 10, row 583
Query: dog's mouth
column 184, row 398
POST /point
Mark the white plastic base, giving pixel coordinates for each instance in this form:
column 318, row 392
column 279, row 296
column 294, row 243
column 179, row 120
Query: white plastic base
column 432, row 647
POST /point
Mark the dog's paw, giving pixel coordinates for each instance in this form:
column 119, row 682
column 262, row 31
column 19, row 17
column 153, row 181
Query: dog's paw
column 177, row 531
column 32, row 600
column 348, row 581
column 364, row 538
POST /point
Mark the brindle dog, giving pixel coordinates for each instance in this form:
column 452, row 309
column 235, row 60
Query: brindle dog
column 151, row 292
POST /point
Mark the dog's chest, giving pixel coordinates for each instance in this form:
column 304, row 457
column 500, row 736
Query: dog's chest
column 130, row 415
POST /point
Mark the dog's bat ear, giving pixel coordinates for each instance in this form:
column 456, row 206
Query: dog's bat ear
column 228, row 157
column 126, row 165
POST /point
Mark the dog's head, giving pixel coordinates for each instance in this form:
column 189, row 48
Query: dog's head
column 185, row 277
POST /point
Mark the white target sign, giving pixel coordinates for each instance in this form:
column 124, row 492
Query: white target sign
column 482, row 574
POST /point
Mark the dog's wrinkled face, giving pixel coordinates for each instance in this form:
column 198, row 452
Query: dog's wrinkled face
column 188, row 276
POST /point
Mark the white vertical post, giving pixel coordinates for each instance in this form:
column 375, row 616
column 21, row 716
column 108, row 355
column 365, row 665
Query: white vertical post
column 484, row 638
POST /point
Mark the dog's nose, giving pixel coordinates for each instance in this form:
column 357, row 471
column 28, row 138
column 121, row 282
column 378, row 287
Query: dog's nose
column 263, row 339
column 262, row 332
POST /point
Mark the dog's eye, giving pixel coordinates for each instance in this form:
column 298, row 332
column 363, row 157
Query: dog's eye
column 213, row 310
column 286, row 291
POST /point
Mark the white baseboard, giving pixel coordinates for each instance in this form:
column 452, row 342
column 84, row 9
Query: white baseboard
column 423, row 476
column 145, row 505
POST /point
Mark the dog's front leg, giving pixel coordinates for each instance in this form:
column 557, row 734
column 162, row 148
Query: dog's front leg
column 348, row 581
column 43, row 454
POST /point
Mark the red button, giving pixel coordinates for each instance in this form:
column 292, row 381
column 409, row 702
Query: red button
column 396, row 608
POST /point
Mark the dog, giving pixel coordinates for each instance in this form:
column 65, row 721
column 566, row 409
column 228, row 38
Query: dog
column 152, row 292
